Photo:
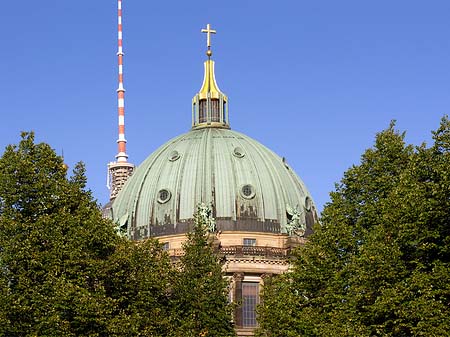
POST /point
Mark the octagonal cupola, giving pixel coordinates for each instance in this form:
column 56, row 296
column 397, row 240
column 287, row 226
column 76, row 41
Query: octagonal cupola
column 209, row 105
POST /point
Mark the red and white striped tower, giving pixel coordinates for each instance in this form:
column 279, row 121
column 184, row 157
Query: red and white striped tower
column 121, row 170
column 122, row 155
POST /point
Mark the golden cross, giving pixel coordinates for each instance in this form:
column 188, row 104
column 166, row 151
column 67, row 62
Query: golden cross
column 208, row 32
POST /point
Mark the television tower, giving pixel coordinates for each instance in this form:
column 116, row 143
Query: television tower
column 120, row 170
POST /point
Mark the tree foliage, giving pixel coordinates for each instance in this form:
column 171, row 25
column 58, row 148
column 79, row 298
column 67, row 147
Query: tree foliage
column 378, row 264
column 53, row 242
column 138, row 279
column 200, row 289
column 64, row 271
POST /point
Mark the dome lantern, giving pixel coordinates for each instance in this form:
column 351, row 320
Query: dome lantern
column 209, row 105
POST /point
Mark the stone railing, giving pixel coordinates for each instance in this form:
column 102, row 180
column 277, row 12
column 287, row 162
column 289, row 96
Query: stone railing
column 243, row 251
column 269, row 252
column 176, row 252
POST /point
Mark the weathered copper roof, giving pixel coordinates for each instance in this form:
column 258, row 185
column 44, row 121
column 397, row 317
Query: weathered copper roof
column 249, row 186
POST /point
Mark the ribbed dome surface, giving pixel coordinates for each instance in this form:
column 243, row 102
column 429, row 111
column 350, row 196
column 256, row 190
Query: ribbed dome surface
column 249, row 187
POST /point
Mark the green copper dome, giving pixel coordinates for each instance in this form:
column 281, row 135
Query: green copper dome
column 249, row 187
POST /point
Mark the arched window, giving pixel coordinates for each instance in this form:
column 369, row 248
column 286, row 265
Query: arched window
column 202, row 111
column 215, row 110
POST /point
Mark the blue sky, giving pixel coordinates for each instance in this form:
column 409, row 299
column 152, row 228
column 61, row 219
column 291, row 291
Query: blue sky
column 312, row 80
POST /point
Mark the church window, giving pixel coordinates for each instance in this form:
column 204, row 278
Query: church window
column 249, row 242
column 215, row 111
column 174, row 155
column 163, row 196
column 247, row 191
column 202, row 111
column 165, row 246
column 250, row 299
column 238, row 152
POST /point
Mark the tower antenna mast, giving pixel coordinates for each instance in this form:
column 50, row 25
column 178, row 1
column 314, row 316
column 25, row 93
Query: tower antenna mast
column 121, row 155
column 120, row 170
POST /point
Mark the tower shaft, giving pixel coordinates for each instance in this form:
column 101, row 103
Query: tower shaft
column 121, row 170
column 121, row 141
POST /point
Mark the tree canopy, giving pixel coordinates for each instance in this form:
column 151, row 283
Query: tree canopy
column 200, row 290
column 64, row 271
column 378, row 263
column 53, row 242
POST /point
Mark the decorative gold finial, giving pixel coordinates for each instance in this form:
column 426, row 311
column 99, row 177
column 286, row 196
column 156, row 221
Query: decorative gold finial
column 209, row 105
column 208, row 32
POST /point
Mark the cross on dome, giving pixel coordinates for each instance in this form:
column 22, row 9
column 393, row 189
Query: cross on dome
column 208, row 32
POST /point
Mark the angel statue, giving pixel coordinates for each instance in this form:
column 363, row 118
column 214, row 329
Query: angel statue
column 295, row 225
column 205, row 213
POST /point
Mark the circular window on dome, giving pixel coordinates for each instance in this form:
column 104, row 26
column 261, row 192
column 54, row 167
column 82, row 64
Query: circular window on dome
column 174, row 155
column 247, row 191
column 164, row 196
column 238, row 152
column 308, row 203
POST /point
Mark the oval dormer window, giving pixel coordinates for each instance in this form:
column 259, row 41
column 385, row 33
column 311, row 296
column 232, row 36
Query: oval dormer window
column 164, row 196
column 247, row 191
column 174, row 155
column 238, row 152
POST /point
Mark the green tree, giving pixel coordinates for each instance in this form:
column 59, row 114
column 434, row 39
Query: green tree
column 378, row 264
column 139, row 279
column 64, row 271
column 200, row 295
column 53, row 246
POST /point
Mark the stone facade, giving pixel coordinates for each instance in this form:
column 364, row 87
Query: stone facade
column 249, row 258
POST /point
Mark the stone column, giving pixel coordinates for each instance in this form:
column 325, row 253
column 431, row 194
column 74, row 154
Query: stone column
column 264, row 278
column 237, row 280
